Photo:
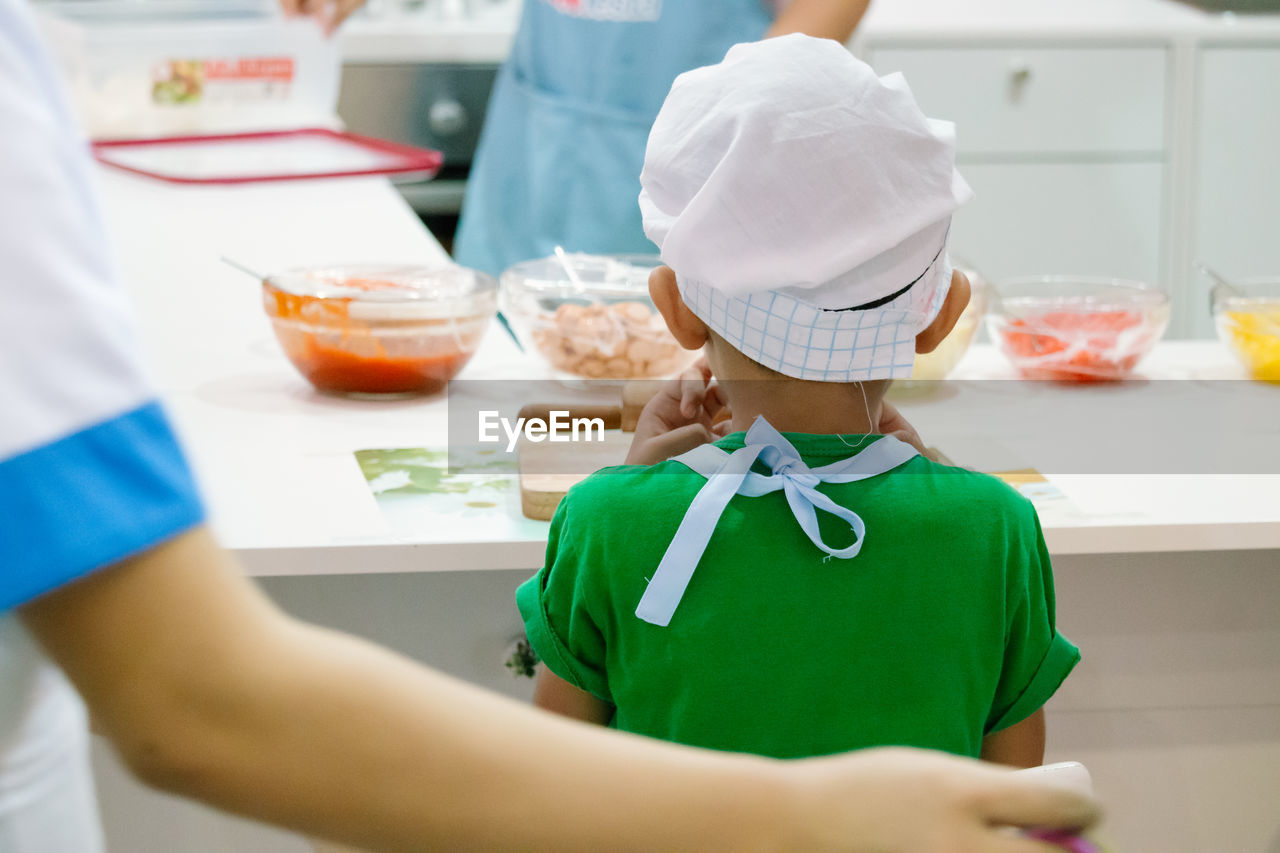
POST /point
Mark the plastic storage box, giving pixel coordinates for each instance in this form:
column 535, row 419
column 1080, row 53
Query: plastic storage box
column 181, row 67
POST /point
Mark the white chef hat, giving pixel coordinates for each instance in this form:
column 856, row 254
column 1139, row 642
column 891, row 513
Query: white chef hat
column 804, row 204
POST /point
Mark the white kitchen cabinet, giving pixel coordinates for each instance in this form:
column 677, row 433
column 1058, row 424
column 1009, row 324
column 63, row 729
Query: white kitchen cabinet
column 1064, row 146
column 1099, row 219
column 1040, row 101
column 1237, row 178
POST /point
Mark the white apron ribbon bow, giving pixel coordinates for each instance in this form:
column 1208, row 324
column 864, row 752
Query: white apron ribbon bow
column 730, row 474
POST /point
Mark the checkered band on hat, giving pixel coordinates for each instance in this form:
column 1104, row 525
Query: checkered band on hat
column 800, row 340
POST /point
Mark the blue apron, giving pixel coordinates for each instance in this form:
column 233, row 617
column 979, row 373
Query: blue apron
column 563, row 142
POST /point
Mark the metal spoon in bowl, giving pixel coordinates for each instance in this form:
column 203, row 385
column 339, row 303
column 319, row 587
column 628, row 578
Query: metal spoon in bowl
column 619, row 333
column 239, row 266
column 1222, row 287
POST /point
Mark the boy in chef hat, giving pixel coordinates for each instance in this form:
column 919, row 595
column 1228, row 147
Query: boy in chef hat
column 803, row 586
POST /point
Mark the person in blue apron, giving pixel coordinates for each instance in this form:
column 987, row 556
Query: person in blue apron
column 804, row 585
column 559, row 156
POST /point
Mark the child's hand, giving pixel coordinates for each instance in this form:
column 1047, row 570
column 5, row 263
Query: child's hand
column 687, row 412
column 893, row 423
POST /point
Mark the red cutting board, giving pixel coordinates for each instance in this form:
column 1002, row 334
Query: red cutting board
column 284, row 155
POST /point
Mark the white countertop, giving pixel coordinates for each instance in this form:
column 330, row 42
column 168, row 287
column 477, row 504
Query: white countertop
column 486, row 38
column 1055, row 19
column 275, row 459
column 481, row 39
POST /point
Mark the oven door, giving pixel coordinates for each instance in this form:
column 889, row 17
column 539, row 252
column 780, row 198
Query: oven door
column 433, row 105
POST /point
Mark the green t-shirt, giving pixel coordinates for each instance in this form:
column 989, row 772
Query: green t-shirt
column 940, row 631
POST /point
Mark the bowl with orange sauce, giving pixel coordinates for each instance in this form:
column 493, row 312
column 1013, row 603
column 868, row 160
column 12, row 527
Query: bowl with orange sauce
column 379, row 330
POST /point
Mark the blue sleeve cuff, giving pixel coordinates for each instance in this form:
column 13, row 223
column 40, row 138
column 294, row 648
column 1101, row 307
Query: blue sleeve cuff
column 89, row 500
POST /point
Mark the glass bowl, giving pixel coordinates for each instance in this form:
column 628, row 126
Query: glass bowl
column 1247, row 317
column 379, row 330
column 1076, row 329
column 944, row 358
column 601, row 326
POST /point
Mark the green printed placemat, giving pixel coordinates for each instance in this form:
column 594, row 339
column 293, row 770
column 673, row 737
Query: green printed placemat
column 432, row 494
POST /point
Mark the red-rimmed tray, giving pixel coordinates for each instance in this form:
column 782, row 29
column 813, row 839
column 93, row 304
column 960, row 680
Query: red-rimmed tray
column 284, row 155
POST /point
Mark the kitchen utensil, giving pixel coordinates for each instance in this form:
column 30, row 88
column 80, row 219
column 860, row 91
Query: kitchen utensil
column 241, row 267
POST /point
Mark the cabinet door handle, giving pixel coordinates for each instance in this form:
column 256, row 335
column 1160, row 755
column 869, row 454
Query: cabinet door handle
column 1019, row 77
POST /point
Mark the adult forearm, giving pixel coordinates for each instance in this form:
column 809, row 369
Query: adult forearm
column 834, row 19
column 209, row 691
column 415, row 759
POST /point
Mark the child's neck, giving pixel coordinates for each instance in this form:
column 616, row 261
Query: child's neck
column 819, row 408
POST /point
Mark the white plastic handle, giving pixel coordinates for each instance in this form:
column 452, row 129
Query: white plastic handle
column 1069, row 774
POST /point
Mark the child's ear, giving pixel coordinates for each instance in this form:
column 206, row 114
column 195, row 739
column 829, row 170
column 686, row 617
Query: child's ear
column 689, row 331
column 954, row 305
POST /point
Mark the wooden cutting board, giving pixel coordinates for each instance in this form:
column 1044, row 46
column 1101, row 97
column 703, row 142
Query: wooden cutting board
column 548, row 471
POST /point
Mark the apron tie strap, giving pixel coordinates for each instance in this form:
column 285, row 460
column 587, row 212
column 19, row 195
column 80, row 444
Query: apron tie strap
column 730, row 474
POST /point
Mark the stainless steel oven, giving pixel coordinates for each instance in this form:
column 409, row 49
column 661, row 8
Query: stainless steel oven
column 434, row 105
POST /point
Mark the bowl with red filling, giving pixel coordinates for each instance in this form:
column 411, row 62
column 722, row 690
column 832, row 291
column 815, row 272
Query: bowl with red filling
column 1076, row 329
column 379, row 330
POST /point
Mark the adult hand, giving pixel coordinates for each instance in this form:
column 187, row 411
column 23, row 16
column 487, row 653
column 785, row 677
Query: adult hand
column 330, row 13
column 686, row 412
column 912, row 800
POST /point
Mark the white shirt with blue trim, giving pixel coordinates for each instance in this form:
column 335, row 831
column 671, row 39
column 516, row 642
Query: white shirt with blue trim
column 90, row 472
